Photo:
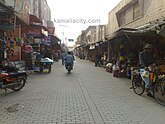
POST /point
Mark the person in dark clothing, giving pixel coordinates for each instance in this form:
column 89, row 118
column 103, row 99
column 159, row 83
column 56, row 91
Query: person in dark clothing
column 97, row 59
column 69, row 59
column 62, row 57
column 146, row 57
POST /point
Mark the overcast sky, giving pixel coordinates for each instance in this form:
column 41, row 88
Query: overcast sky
column 73, row 16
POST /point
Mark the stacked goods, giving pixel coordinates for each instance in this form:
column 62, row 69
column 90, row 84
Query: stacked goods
column 109, row 67
column 162, row 69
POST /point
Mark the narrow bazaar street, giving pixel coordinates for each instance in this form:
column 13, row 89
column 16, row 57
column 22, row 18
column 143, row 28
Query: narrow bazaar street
column 89, row 95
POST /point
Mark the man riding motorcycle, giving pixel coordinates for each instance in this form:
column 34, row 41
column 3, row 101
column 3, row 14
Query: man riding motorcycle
column 69, row 59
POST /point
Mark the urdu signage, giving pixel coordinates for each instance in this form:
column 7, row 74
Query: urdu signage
column 33, row 31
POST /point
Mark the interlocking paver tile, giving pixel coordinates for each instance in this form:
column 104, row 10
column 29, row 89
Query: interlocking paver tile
column 88, row 95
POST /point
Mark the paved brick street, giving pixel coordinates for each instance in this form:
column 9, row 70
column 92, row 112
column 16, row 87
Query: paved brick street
column 89, row 95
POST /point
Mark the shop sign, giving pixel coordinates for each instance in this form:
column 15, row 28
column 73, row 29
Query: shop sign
column 6, row 21
column 29, row 39
column 47, row 40
column 33, row 31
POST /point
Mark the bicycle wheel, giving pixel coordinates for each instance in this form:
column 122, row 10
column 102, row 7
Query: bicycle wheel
column 138, row 85
column 159, row 92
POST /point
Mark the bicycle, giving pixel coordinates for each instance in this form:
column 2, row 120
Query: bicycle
column 157, row 84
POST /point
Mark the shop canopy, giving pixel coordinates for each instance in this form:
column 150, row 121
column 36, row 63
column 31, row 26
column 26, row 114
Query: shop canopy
column 5, row 9
column 152, row 28
column 34, row 19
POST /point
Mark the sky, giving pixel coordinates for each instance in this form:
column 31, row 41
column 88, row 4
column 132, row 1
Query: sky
column 70, row 17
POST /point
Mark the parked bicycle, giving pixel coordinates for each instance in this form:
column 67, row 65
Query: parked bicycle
column 157, row 84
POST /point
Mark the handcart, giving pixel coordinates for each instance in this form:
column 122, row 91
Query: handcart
column 45, row 63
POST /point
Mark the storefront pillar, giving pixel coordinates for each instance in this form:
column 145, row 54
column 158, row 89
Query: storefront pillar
column 108, row 49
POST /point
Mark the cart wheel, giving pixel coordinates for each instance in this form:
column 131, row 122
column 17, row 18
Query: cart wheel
column 50, row 67
column 41, row 69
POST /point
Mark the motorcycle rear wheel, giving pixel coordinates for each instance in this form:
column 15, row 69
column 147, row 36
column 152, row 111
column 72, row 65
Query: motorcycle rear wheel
column 69, row 69
column 20, row 85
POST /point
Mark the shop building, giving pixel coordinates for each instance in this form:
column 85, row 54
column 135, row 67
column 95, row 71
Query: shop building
column 134, row 23
column 14, row 15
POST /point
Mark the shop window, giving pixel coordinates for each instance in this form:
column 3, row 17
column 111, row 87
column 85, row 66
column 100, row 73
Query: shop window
column 136, row 10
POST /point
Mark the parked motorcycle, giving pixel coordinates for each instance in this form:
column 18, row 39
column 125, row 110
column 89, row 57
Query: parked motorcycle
column 10, row 77
column 12, row 80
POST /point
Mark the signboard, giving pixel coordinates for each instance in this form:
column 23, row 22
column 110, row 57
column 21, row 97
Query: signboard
column 47, row 40
column 6, row 21
column 33, row 30
column 70, row 40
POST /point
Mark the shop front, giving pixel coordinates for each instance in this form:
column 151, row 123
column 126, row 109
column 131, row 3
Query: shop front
column 8, row 37
column 126, row 44
column 38, row 39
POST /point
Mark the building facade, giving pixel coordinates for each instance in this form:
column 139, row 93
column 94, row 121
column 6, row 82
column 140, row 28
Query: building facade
column 134, row 13
column 100, row 33
column 44, row 12
column 27, row 23
column 132, row 24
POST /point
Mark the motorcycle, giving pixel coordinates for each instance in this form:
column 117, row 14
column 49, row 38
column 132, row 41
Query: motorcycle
column 12, row 80
column 69, row 67
column 10, row 76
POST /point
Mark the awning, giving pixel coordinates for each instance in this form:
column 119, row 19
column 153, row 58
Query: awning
column 80, row 46
column 37, row 29
column 96, row 44
column 152, row 28
column 54, row 38
column 39, row 25
column 35, row 35
column 34, row 19
column 5, row 9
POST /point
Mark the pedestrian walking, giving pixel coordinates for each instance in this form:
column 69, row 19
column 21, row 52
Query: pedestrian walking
column 62, row 57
